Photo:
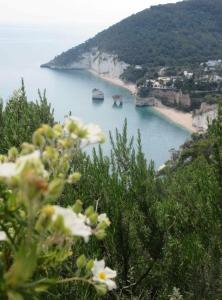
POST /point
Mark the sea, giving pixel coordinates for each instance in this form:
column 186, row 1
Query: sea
column 24, row 48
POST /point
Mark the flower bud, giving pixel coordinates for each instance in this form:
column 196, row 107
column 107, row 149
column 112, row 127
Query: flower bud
column 77, row 207
column 50, row 153
column 40, row 130
column 93, row 218
column 74, row 178
column 82, row 133
column 57, row 128
column 38, row 140
column 101, row 289
column 59, row 223
column 89, row 211
column 104, row 221
column 66, row 143
column 27, row 148
column 89, row 264
column 2, row 158
column 81, row 261
column 100, row 234
column 48, row 131
column 48, row 210
column 102, row 225
column 72, row 126
column 12, row 154
column 64, row 166
column 45, row 218
column 55, row 188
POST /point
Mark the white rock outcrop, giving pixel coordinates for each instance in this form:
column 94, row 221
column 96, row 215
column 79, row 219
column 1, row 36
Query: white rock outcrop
column 204, row 116
column 107, row 64
column 102, row 63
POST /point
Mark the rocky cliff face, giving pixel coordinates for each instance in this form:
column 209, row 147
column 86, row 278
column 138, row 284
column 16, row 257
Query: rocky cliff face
column 203, row 116
column 149, row 101
column 100, row 62
column 169, row 97
column 166, row 97
column 107, row 64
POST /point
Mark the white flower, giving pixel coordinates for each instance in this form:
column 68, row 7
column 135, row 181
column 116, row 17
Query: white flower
column 7, row 170
column 94, row 134
column 3, row 236
column 33, row 160
column 33, row 156
column 75, row 223
column 73, row 125
column 103, row 274
column 90, row 134
column 73, row 121
column 104, row 218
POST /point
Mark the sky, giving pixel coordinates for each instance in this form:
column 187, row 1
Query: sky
column 96, row 14
column 73, row 20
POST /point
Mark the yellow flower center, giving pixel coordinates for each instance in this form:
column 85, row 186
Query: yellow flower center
column 102, row 275
column 48, row 210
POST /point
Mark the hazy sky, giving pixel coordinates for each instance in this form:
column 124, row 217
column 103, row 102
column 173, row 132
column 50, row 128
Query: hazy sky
column 97, row 14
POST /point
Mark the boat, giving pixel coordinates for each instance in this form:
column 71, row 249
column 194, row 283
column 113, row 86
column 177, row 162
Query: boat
column 97, row 94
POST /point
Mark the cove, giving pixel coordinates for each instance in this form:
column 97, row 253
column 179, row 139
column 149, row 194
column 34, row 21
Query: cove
column 71, row 91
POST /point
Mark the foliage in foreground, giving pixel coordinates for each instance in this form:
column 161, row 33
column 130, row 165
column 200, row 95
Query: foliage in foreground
column 165, row 240
column 36, row 235
column 166, row 237
column 20, row 118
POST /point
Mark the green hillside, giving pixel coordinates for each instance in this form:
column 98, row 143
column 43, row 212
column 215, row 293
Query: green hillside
column 171, row 34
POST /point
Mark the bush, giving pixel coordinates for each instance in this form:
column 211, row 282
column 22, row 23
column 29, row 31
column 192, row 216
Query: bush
column 20, row 118
column 37, row 235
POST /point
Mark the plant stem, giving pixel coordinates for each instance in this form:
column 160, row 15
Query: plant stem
column 74, row 279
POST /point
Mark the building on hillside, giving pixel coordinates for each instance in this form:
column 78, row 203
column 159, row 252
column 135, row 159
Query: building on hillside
column 216, row 78
column 187, row 74
column 212, row 64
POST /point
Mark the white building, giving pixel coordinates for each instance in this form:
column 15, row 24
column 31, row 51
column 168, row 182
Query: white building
column 187, row 74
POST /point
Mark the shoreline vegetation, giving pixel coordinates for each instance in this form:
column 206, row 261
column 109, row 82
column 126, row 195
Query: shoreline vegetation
column 181, row 118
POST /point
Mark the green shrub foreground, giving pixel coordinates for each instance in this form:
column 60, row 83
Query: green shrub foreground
column 165, row 236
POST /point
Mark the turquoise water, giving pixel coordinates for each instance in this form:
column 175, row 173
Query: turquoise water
column 23, row 49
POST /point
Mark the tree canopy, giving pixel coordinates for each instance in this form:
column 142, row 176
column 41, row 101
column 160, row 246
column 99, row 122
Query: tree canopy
column 172, row 34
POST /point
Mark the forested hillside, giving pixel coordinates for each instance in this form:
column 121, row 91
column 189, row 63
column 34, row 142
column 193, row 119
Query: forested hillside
column 185, row 32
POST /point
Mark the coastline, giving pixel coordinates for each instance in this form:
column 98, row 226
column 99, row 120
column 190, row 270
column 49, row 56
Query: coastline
column 128, row 86
column 181, row 118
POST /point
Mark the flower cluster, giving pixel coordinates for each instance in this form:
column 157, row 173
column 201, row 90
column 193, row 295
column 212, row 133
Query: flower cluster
column 32, row 225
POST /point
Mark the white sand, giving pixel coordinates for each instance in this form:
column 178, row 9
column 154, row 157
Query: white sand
column 176, row 116
column 130, row 87
column 181, row 118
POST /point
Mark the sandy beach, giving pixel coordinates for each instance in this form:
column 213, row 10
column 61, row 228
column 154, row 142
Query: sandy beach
column 116, row 81
column 181, row 118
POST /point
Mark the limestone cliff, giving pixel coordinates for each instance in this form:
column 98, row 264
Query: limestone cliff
column 100, row 62
column 166, row 97
column 203, row 116
column 172, row 98
column 149, row 101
